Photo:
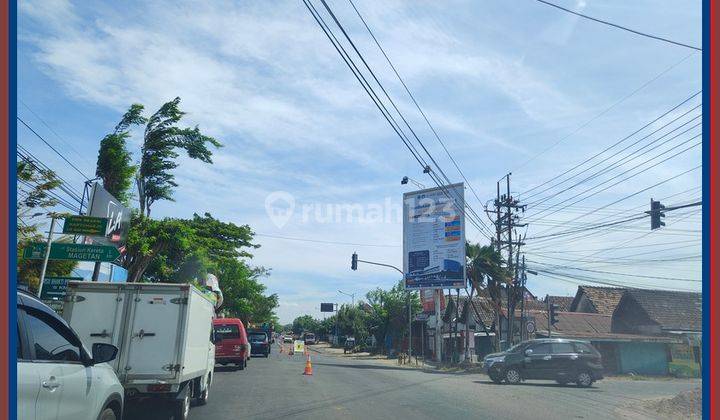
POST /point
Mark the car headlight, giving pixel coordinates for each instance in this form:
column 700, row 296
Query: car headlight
column 494, row 360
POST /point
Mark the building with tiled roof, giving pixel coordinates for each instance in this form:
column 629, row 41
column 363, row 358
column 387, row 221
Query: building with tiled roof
column 657, row 312
column 596, row 300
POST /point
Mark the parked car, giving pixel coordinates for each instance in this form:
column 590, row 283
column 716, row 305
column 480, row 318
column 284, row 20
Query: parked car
column 54, row 369
column 232, row 344
column 259, row 343
column 164, row 332
column 310, row 338
column 558, row 359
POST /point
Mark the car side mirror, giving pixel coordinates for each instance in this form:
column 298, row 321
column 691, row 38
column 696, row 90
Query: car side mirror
column 102, row 352
column 528, row 352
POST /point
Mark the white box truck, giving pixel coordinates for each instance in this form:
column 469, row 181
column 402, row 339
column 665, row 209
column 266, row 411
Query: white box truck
column 163, row 332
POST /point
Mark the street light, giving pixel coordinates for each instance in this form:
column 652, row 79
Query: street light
column 352, row 296
column 407, row 179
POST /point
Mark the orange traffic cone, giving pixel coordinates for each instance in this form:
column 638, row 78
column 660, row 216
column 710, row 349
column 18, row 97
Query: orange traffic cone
column 308, row 367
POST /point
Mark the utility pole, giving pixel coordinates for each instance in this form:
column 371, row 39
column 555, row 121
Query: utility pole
column 47, row 254
column 506, row 221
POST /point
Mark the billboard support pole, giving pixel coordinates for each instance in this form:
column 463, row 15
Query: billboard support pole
column 409, row 325
column 47, row 255
column 438, row 332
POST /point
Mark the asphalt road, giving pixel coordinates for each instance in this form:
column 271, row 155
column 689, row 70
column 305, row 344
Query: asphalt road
column 365, row 389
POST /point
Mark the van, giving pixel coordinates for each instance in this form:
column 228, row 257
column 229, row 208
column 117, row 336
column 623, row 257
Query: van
column 163, row 333
column 232, row 344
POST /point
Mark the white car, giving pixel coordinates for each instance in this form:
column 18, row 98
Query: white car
column 57, row 378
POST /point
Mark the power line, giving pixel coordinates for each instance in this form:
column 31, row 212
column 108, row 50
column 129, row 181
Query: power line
column 64, row 186
column 65, row 142
column 567, row 232
column 397, row 110
column 618, row 274
column 603, row 112
column 383, row 109
column 586, row 279
column 628, row 156
column 319, row 241
column 623, row 173
column 412, row 97
column 614, row 144
column 620, row 26
column 53, row 149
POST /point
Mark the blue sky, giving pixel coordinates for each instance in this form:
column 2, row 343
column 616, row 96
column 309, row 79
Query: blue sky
column 501, row 81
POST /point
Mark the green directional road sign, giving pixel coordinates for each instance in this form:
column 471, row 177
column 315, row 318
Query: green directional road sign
column 76, row 252
column 85, row 225
column 54, row 287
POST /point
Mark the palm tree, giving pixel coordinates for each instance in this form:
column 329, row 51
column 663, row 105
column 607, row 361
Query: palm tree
column 485, row 269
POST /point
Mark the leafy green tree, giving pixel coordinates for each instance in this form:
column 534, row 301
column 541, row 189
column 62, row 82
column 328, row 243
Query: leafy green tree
column 161, row 141
column 305, row 323
column 485, row 269
column 352, row 321
column 388, row 312
column 35, row 192
column 114, row 163
column 149, row 240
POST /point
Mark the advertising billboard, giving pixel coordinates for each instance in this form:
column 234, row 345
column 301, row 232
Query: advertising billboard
column 103, row 204
column 434, row 238
column 327, row 307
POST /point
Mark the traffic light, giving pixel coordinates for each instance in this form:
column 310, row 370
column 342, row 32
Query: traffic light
column 656, row 214
column 553, row 308
column 353, row 263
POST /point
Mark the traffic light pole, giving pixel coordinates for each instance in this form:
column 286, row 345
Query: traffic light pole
column 353, row 266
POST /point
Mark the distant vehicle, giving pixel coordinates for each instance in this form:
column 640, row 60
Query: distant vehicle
column 163, row 331
column 57, row 378
column 287, row 339
column 558, row 359
column 310, row 338
column 259, row 343
column 232, row 342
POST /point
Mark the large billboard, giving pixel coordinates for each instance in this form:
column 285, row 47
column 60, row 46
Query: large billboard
column 103, row 204
column 434, row 238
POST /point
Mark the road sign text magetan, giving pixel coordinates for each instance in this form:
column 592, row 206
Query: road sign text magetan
column 75, row 252
column 85, row 225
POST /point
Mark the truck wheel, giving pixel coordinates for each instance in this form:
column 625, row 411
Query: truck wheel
column 203, row 398
column 181, row 408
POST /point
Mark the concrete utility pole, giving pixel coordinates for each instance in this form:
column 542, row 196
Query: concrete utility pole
column 46, row 258
column 505, row 223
